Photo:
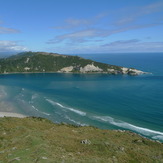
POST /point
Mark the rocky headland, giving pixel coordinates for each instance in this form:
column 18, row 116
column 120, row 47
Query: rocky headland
column 41, row 62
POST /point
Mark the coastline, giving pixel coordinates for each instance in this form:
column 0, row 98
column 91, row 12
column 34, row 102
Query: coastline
column 9, row 114
column 17, row 115
column 86, row 73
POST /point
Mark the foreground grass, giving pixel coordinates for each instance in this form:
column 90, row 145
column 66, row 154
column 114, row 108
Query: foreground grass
column 31, row 140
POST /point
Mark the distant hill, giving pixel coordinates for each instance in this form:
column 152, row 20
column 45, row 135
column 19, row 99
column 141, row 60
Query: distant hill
column 29, row 140
column 33, row 62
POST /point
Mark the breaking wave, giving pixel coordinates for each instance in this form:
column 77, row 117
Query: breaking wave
column 77, row 123
column 34, row 96
column 144, row 131
column 40, row 111
column 67, row 108
column 35, row 108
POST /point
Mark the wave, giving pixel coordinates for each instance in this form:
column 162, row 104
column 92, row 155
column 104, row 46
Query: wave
column 67, row 108
column 35, row 108
column 34, row 96
column 158, row 137
column 144, row 131
column 45, row 113
column 40, row 111
column 77, row 123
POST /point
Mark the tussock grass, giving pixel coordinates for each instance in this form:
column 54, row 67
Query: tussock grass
column 39, row 140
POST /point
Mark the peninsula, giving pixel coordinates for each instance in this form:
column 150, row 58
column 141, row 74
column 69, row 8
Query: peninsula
column 37, row 62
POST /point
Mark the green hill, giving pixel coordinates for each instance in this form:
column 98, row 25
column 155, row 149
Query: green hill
column 33, row 62
column 29, row 140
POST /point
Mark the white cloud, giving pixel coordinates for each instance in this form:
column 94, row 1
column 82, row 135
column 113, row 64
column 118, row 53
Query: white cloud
column 83, row 34
column 93, row 34
column 122, row 43
column 120, row 46
column 133, row 45
column 154, row 7
column 11, row 46
column 80, row 36
column 72, row 23
column 5, row 30
column 128, row 16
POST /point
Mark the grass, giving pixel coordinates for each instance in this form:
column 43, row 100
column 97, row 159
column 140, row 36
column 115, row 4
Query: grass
column 39, row 140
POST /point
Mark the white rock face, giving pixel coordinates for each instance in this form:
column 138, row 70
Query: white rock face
column 111, row 70
column 27, row 60
column 136, row 72
column 125, row 70
column 26, row 68
column 67, row 69
column 132, row 71
column 90, row 68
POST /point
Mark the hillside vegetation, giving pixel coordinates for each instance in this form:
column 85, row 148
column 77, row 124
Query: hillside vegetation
column 52, row 62
column 39, row 140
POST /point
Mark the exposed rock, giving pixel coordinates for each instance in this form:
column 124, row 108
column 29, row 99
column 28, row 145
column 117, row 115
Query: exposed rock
column 125, row 70
column 26, row 68
column 14, row 148
column 110, row 70
column 44, row 158
column 135, row 72
column 121, row 149
column 138, row 141
column 90, row 68
column 27, row 60
column 86, row 141
column 67, row 69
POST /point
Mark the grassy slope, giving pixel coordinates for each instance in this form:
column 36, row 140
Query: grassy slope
column 39, row 140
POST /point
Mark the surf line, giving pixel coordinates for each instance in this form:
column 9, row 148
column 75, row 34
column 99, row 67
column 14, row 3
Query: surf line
column 144, row 131
column 67, row 108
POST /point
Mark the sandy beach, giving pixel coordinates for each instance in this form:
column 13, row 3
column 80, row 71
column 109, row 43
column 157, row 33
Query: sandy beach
column 8, row 114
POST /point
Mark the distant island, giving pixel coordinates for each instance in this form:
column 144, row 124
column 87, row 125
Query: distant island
column 41, row 62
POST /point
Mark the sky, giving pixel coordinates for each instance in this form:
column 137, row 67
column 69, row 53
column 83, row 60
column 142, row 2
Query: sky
column 81, row 26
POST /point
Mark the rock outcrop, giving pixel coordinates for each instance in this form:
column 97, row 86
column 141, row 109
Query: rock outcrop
column 90, row 68
column 67, row 69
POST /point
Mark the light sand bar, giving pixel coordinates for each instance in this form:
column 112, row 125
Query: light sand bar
column 8, row 114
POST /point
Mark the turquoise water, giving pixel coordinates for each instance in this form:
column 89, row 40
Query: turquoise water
column 107, row 101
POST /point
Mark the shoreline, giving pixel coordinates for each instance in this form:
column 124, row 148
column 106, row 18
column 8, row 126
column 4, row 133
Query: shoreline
column 17, row 115
column 9, row 114
column 88, row 73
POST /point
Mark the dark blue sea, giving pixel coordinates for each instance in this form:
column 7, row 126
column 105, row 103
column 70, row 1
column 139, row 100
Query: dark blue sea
column 124, row 102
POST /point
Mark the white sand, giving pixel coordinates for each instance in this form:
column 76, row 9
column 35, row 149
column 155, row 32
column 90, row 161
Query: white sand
column 8, row 114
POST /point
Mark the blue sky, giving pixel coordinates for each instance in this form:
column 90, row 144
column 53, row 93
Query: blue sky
column 81, row 26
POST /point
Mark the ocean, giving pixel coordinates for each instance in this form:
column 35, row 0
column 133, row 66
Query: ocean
column 123, row 102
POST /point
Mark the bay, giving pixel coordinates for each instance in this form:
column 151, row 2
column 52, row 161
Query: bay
column 106, row 101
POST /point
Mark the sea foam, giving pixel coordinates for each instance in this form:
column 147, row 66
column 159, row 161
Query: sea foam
column 40, row 111
column 72, row 120
column 67, row 108
column 144, row 131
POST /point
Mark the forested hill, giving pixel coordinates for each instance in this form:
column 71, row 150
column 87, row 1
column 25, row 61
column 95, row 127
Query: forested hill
column 53, row 62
